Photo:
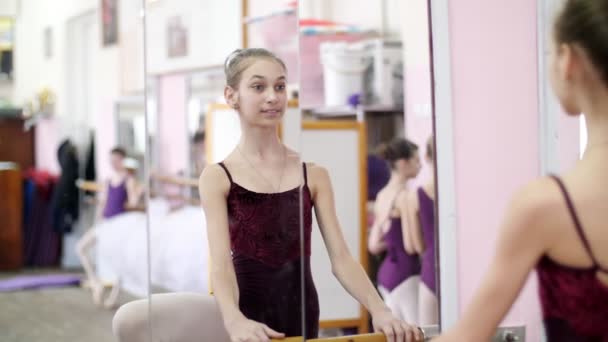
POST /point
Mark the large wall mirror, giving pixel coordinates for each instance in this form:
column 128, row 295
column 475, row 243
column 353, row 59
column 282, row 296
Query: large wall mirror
column 562, row 138
column 219, row 149
column 347, row 92
column 367, row 118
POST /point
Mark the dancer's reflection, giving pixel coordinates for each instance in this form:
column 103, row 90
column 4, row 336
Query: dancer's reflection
column 558, row 225
column 421, row 217
column 121, row 192
column 399, row 274
column 252, row 206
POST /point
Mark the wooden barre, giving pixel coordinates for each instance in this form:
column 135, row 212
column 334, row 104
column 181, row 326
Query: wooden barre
column 352, row 338
column 88, row 185
column 289, row 339
column 184, row 181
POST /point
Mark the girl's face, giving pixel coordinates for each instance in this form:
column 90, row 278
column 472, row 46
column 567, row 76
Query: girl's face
column 563, row 77
column 409, row 168
column 261, row 97
column 116, row 160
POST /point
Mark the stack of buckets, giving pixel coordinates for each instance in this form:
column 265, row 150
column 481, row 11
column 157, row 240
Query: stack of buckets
column 369, row 70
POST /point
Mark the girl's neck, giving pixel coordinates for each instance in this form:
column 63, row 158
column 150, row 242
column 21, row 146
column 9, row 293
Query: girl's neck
column 595, row 111
column 397, row 181
column 261, row 143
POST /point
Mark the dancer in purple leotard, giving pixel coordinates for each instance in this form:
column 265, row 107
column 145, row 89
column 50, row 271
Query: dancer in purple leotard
column 398, row 275
column 421, row 215
column 121, row 192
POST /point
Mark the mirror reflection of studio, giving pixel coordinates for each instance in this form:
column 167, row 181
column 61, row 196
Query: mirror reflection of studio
column 72, row 150
column 320, row 170
column 365, row 96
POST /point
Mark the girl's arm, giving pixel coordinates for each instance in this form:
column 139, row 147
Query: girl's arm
column 102, row 201
column 134, row 192
column 522, row 241
column 346, row 269
column 213, row 187
column 375, row 241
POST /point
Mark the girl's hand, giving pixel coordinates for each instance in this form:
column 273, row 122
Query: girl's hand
column 246, row 330
column 395, row 330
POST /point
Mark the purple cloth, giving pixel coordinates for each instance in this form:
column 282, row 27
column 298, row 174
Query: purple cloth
column 41, row 242
column 398, row 265
column 427, row 222
column 38, row 282
column 117, row 198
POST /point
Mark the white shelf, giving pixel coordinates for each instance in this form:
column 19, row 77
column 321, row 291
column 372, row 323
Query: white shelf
column 351, row 111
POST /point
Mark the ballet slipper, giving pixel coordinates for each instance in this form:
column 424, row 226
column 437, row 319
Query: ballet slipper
column 97, row 291
column 112, row 299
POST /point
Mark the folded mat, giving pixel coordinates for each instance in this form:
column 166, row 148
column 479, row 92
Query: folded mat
column 39, row 282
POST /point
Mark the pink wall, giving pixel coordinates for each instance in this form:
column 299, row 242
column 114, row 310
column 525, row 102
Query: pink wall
column 173, row 142
column 49, row 136
column 417, row 79
column 46, row 145
column 496, row 127
column 105, row 137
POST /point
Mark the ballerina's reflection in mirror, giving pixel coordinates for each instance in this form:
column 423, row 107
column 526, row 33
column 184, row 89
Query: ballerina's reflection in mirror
column 121, row 193
column 399, row 273
column 252, row 207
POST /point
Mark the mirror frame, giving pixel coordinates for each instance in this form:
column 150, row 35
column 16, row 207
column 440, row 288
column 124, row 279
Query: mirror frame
column 444, row 170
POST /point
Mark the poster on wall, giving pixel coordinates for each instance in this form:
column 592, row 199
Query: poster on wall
column 48, row 43
column 109, row 22
column 177, row 37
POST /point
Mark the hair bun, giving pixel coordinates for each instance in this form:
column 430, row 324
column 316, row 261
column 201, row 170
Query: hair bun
column 386, row 152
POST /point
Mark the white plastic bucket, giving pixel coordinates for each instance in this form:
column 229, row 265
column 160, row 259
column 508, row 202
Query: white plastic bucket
column 343, row 68
column 384, row 80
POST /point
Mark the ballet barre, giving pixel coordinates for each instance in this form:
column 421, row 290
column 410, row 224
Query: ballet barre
column 88, row 185
column 183, row 181
column 178, row 181
column 430, row 331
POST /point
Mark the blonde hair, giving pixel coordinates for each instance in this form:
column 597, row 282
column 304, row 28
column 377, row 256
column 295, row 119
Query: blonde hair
column 241, row 59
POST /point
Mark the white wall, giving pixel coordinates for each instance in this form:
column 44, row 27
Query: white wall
column 33, row 71
column 8, row 8
column 214, row 24
column 365, row 13
column 258, row 8
column 417, row 78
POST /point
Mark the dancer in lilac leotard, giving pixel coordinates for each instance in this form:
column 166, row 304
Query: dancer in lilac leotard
column 122, row 191
column 426, row 212
column 421, row 215
column 398, row 275
column 116, row 199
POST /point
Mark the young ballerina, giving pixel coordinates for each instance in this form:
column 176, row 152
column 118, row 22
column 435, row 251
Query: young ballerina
column 421, row 218
column 399, row 273
column 557, row 225
column 121, row 192
column 253, row 203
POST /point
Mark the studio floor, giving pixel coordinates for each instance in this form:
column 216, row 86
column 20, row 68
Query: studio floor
column 54, row 315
